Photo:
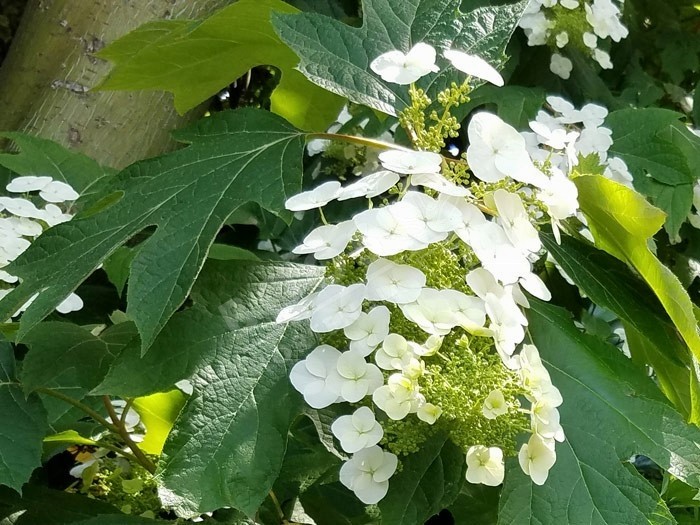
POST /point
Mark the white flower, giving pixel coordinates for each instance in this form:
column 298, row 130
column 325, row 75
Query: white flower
column 429, row 221
column 27, row 183
column 496, row 253
column 402, row 69
column 410, row 162
column 20, row 207
column 569, row 4
column 336, row 307
column 595, row 140
column 545, row 421
column 57, row 191
column 561, row 198
column 439, row 183
column 602, row 58
column 593, row 115
column 536, row 457
column 319, row 196
column 367, row 473
column 472, row 217
column 132, row 418
column 536, row 25
column 354, row 377
column 560, row 66
column 562, row 39
column 369, row 186
column 557, row 138
column 384, row 231
column 310, row 376
column 358, row 431
column 590, row 40
column 394, row 354
column 369, row 330
column 398, row 397
column 429, row 413
column 494, row 405
column 569, row 114
column 603, row 16
column 516, row 221
column 296, row 312
column 431, row 312
column 496, row 150
column 72, row 303
column 617, row 170
column 327, row 241
column 474, row 66
column 536, row 379
column 485, row 465
column 396, row 283
column 53, row 215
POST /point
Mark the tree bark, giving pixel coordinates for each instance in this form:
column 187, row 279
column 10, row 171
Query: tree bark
column 46, row 77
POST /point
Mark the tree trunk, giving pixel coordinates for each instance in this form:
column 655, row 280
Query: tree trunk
column 46, row 77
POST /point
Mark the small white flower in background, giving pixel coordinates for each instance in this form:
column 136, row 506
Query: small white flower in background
column 310, row 376
column 410, row 162
column 397, row 68
column 396, row 283
column 327, row 241
column 569, row 4
column 369, row 186
column 319, row 196
column 494, row 405
column 545, row 421
column 369, row 330
column 474, row 66
column 20, row 207
column 590, row 40
column 336, row 307
column 516, row 221
column 536, row 457
column 132, row 419
column 561, row 66
column 429, row 221
column 355, row 378
column 367, row 473
column 602, row 58
column 357, row 431
column 485, row 465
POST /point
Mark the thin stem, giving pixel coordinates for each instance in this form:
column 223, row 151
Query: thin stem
column 127, row 407
column 117, row 450
column 77, row 404
column 143, row 460
column 277, row 505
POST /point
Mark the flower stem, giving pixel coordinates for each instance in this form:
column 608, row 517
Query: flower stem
column 81, row 406
column 143, row 460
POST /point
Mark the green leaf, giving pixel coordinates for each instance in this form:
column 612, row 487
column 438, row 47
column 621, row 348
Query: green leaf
column 117, row 519
column 429, row 481
column 117, row 267
column 43, row 506
column 158, row 413
column 476, row 504
column 226, row 252
column 610, row 284
column 195, row 60
column 611, row 410
column 69, row 357
column 43, row 157
column 235, row 157
column 336, row 56
column 334, row 504
column 516, row 105
column 69, row 437
column 622, row 222
column 660, row 166
column 227, row 445
column 23, row 425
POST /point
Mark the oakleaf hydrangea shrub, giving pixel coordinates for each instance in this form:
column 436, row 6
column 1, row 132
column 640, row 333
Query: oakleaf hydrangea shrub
column 421, row 320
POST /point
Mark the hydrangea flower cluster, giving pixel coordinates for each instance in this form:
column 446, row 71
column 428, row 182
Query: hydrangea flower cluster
column 580, row 24
column 421, row 319
column 21, row 221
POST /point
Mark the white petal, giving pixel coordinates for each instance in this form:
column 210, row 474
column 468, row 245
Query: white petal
column 474, row 66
